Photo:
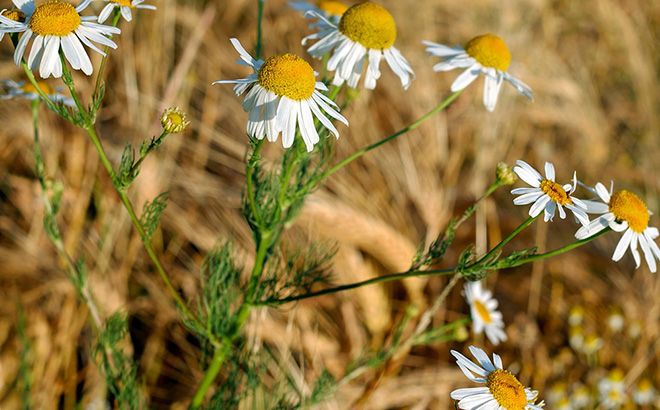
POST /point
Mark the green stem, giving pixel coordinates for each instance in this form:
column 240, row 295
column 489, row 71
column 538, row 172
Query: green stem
column 249, row 183
column 506, row 240
column 559, row 251
column 357, row 154
column 379, row 279
column 209, row 376
column 30, row 75
column 101, row 71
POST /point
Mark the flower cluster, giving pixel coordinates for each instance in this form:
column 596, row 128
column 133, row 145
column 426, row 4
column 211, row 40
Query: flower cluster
column 621, row 211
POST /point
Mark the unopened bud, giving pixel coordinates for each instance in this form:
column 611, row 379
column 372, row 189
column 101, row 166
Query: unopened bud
column 505, row 174
column 174, row 120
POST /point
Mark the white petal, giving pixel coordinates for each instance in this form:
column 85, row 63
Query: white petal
column 602, row 192
column 528, row 198
column 466, row 78
column 538, row 206
column 493, row 83
column 623, row 244
column 648, row 255
column 549, row 171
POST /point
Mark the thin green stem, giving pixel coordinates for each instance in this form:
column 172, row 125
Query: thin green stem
column 506, row 240
column 357, row 154
column 30, row 75
column 249, row 183
column 101, row 71
column 558, row 251
column 209, row 376
column 379, row 279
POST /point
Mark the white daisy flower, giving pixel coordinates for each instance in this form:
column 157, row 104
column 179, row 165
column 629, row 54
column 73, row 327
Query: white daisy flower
column 56, row 25
column 581, row 396
column 282, row 95
column 483, row 309
column 486, row 54
column 365, row 33
column 27, row 91
column 612, row 390
column 623, row 211
column 502, row 390
column 644, row 393
column 546, row 194
column 11, row 21
column 125, row 7
column 330, row 9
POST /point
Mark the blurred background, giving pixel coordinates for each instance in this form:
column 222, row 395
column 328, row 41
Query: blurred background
column 593, row 66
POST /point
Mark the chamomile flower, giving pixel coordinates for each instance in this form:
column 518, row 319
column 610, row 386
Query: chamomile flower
column 625, row 212
column 644, row 393
column 502, row 390
column 483, row 309
column 125, row 8
column 330, row 9
column 612, row 390
column 283, row 95
column 57, row 25
column 27, row 91
column 547, row 195
column 10, row 21
column 365, row 33
column 486, row 54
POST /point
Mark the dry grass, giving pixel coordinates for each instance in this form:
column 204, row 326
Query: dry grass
column 594, row 68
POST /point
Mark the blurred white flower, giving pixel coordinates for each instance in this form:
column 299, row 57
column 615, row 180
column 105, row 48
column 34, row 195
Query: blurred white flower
column 483, row 309
column 21, row 89
column 125, row 8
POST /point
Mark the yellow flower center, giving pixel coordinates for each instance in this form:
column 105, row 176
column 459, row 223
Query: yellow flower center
column 15, row 15
column 174, row 120
column 490, row 51
column 57, row 18
column 482, row 311
column 288, row 75
column 125, row 3
column 332, row 7
column 507, row 390
column 370, row 25
column 627, row 206
column 556, row 192
column 29, row 88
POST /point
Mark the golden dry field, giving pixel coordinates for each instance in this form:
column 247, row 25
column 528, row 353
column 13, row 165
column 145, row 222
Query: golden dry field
column 594, row 69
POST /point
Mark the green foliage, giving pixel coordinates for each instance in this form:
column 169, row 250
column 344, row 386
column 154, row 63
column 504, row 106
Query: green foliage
column 453, row 331
column 222, row 293
column 515, row 257
column 152, row 213
column 126, row 173
column 437, row 249
column 119, row 369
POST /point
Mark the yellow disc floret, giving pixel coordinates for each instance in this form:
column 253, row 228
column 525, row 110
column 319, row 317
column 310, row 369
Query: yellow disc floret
column 507, row 390
column 124, row 3
column 628, row 207
column 56, row 18
column 15, row 15
column 43, row 86
column 332, row 7
column 490, row 51
column 288, row 75
column 482, row 311
column 370, row 25
column 556, row 192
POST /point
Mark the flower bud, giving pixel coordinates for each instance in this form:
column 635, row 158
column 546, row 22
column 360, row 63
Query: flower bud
column 505, row 174
column 174, row 120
